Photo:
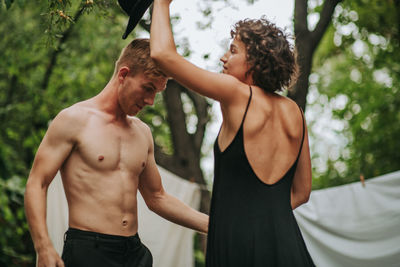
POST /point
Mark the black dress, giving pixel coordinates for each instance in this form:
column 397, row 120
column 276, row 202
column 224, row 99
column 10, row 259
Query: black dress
column 251, row 223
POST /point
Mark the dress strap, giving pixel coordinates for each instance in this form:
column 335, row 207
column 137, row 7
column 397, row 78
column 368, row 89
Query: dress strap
column 247, row 107
column 304, row 128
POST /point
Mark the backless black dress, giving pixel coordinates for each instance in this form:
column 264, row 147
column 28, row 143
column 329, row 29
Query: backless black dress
column 251, row 222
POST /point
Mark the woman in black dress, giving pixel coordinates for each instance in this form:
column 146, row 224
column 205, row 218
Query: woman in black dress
column 262, row 159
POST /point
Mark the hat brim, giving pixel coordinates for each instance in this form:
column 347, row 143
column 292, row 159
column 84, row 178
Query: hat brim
column 135, row 14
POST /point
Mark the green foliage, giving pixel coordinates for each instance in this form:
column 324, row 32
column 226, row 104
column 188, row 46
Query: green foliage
column 200, row 259
column 14, row 233
column 7, row 3
column 358, row 70
column 60, row 14
column 155, row 116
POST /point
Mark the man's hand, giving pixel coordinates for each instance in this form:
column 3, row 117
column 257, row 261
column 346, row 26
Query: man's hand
column 48, row 257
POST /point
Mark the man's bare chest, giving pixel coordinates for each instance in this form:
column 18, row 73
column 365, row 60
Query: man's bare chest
column 112, row 148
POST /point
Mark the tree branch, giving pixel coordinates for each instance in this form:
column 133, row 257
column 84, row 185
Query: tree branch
column 176, row 119
column 397, row 5
column 300, row 18
column 58, row 50
column 201, row 106
column 306, row 44
column 324, row 21
column 163, row 159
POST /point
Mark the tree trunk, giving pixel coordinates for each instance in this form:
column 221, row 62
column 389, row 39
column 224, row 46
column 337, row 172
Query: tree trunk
column 306, row 43
column 185, row 160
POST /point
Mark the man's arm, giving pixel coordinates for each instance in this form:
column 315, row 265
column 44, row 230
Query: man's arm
column 53, row 150
column 162, row 203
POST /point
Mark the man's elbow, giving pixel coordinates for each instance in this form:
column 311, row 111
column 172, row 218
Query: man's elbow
column 31, row 185
column 36, row 182
column 154, row 202
column 152, row 205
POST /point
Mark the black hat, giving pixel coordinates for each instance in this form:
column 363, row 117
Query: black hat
column 135, row 9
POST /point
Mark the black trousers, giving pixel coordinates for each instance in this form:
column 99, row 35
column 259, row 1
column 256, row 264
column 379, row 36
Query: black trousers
column 90, row 249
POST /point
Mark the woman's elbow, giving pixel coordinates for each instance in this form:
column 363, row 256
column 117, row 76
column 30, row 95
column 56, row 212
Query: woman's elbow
column 156, row 54
column 163, row 58
column 300, row 197
column 305, row 198
column 159, row 56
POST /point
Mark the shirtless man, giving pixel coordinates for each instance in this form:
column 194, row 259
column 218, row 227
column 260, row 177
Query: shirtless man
column 105, row 155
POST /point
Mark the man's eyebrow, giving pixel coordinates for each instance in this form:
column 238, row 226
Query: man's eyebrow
column 150, row 84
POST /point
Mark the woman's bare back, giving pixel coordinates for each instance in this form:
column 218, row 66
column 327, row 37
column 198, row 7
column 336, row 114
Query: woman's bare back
column 273, row 130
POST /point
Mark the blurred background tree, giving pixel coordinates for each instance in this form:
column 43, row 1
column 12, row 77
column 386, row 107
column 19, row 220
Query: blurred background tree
column 356, row 76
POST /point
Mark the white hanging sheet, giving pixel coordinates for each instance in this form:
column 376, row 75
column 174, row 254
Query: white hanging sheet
column 352, row 225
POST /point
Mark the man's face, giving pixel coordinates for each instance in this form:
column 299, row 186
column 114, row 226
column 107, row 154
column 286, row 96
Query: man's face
column 138, row 91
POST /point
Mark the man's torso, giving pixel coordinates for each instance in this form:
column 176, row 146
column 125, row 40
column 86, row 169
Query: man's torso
column 101, row 174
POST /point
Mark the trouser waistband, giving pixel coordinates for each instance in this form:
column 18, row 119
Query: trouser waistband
column 73, row 233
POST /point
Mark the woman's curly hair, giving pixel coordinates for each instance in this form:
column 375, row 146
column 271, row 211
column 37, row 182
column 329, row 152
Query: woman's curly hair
column 272, row 59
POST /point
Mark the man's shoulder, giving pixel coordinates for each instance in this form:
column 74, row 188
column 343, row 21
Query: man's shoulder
column 140, row 125
column 75, row 116
column 76, row 112
column 136, row 122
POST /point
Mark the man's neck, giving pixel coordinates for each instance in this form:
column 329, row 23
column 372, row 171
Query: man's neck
column 107, row 101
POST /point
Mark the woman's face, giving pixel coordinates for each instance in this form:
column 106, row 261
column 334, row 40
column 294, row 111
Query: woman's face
column 234, row 60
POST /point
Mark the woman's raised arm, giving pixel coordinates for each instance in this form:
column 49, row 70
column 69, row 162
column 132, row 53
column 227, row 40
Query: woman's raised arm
column 218, row 86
